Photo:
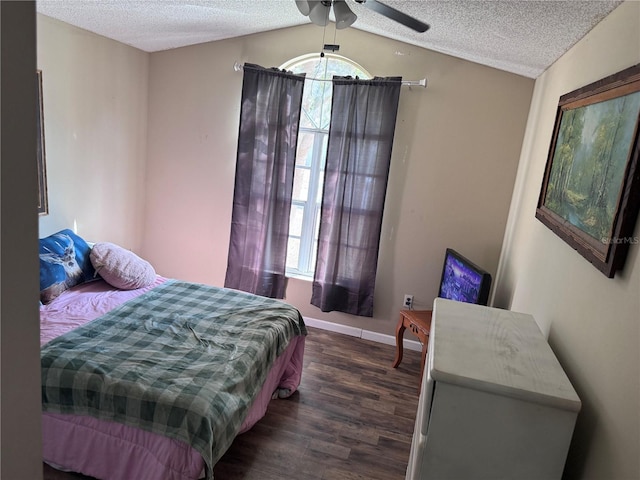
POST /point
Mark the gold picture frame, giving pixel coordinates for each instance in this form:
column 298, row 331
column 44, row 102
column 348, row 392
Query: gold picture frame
column 590, row 194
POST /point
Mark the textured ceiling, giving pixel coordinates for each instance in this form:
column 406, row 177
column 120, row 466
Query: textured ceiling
column 519, row 36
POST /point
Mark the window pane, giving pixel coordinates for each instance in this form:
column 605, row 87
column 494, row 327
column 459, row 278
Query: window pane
column 323, row 163
column 295, row 220
column 301, row 184
column 325, row 110
column 316, row 100
column 304, row 151
column 307, row 114
column 323, row 159
column 293, row 252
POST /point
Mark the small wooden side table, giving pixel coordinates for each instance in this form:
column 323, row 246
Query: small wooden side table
column 419, row 323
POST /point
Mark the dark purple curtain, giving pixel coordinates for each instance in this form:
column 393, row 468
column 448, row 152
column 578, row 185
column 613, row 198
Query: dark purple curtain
column 363, row 118
column 269, row 119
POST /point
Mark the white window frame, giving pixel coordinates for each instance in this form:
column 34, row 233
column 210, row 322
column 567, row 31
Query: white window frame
column 306, row 255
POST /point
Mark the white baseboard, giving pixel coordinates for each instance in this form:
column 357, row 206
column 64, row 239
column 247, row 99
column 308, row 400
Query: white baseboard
column 361, row 333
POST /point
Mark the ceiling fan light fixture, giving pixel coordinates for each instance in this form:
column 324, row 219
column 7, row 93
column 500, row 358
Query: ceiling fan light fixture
column 319, row 14
column 303, row 6
column 344, row 16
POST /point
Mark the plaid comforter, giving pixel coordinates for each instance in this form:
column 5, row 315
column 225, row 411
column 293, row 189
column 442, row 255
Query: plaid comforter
column 184, row 360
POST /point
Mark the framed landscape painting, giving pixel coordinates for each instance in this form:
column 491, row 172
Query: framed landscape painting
column 590, row 193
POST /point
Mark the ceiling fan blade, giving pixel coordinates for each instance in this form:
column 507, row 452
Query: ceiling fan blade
column 396, row 15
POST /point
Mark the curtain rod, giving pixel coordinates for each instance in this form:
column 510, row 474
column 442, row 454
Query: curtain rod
column 405, row 83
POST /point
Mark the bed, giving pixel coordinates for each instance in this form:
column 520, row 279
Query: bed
column 155, row 382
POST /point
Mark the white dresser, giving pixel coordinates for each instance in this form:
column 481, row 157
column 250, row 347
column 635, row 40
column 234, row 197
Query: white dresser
column 495, row 402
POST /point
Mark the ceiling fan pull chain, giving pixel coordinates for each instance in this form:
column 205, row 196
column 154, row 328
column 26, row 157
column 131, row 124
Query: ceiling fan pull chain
column 324, row 32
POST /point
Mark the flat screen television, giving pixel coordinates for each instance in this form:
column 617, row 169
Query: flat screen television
column 463, row 281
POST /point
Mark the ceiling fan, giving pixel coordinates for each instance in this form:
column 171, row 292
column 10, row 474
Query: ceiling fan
column 318, row 13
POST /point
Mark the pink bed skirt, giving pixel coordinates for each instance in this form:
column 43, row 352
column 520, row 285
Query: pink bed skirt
column 109, row 450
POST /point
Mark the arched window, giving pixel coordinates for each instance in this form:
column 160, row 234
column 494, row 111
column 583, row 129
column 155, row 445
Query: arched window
column 304, row 219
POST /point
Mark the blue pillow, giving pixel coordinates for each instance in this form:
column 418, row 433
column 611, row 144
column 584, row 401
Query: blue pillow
column 64, row 263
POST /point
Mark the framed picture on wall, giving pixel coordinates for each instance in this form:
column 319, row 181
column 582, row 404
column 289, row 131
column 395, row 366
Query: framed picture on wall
column 590, row 193
column 43, row 202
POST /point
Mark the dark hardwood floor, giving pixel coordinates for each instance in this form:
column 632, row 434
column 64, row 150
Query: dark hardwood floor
column 352, row 418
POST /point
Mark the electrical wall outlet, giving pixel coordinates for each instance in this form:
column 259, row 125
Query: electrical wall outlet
column 408, row 301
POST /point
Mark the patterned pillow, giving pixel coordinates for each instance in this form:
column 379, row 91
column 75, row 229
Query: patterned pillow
column 64, row 263
column 120, row 267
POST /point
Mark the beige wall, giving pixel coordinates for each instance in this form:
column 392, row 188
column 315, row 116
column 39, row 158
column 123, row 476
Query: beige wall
column 593, row 322
column 20, row 445
column 95, row 119
column 454, row 161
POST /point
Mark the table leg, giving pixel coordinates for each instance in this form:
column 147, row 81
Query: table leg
column 423, row 359
column 400, row 328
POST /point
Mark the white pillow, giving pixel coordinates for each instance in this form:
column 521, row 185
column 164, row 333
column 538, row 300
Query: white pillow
column 121, row 268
